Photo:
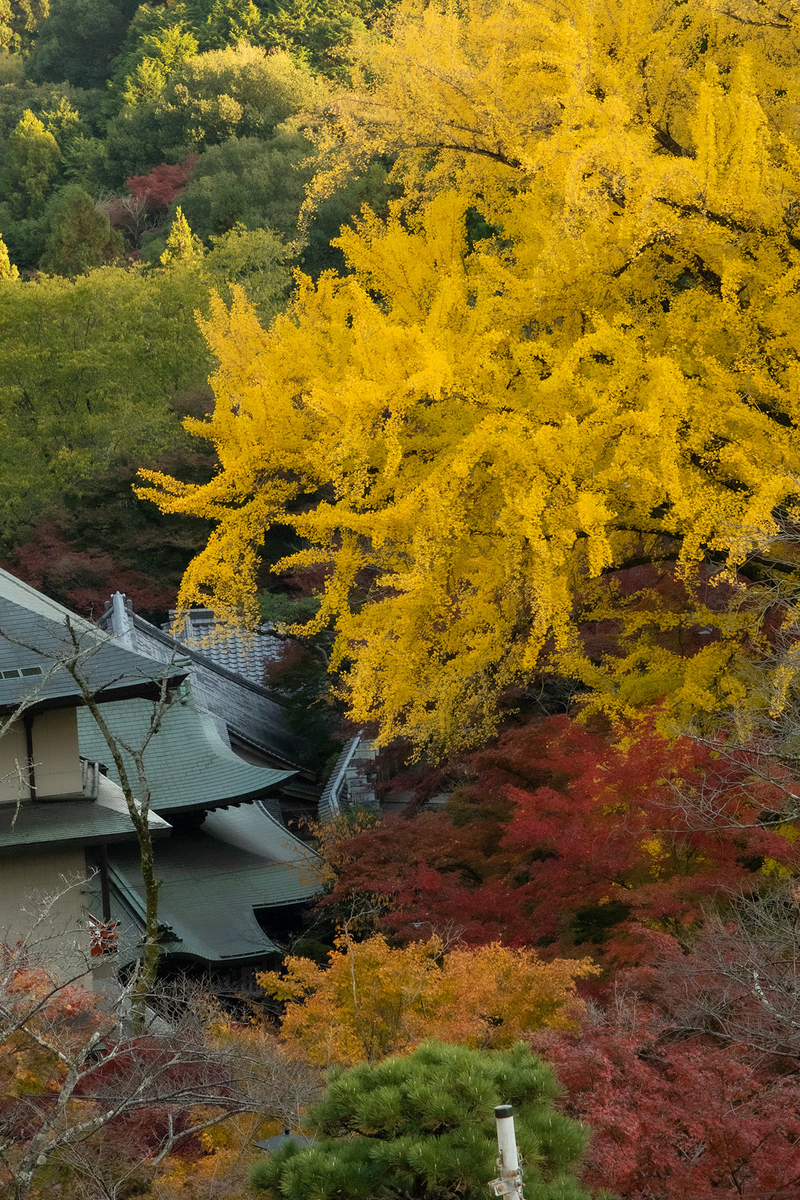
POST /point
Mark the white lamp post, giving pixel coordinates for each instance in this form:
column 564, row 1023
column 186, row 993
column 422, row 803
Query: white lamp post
column 509, row 1182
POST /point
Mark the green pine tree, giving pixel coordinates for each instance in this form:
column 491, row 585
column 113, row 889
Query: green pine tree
column 181, row 246
column 156, row 43
column 7, row 268
column 161, row 55
column 423, row 1125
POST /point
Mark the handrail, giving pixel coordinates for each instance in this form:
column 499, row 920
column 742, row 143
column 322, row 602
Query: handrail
column 329, row 806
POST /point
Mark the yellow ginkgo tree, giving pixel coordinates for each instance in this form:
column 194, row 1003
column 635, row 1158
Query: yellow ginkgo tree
column 572, row 344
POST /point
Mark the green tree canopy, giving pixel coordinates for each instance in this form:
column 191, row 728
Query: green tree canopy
column 19, row 20
column 7, row 268
column 158, row 40
column 237, row 92
column 250, row 182
column 255, row 259
column 63, row 120
column 182, row 246
column 79, row 235
column 92, row 376
column 161, row 56
column 220, row 23
column 12, row 68
column 78, row 41
column 262, row 184
column 423, row 1125
column 49, row 132
column 45, row 98
column 80, row 151
column 31, row 166
column 319, row 32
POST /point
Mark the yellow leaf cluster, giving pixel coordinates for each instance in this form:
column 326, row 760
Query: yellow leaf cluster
column 372, row 1000
column 574, row 336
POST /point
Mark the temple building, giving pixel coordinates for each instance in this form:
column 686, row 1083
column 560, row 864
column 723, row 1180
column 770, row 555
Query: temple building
column 222, row 771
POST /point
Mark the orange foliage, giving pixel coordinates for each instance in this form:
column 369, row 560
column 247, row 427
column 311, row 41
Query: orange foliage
column 373, row 1000
column 41, row 1020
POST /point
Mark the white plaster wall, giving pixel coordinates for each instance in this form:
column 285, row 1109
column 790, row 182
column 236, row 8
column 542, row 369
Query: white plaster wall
column 56, row 756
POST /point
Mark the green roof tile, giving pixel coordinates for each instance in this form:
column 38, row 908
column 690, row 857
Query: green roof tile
column 188, row 764
column 210, row 888
column 35, row 823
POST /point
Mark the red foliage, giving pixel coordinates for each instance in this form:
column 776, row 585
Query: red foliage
column 675, row 1118
column 168, row 1072
column 310, row 581
column 656, row 589
column 163, row 184
column 83, row 579
column 35, row 1009
column 437, row 876
column 569, row 838
column 613, row 824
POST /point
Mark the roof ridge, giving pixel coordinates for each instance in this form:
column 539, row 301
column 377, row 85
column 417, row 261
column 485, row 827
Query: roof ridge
column 192, row 652
column 11, row 586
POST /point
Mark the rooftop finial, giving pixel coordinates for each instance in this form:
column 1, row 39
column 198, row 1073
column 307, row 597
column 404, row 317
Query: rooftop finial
column 122, row 620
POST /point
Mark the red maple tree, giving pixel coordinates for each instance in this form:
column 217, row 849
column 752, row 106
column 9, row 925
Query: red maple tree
column 673, row 1116
column 573, row 838
column 163, row 183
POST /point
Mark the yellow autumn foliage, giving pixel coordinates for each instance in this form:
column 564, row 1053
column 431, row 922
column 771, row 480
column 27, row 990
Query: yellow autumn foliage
column 372, row 1000
column 572, row 344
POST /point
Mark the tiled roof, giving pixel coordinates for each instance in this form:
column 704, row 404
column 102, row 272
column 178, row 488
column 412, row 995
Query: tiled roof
column 33, row 639
column 244, row 651
column 188, row 764
column 211, row 882
column 71, row 822
column 246, row 707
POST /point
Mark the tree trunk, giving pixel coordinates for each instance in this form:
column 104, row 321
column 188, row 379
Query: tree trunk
column 148, row 968
column 138, row 811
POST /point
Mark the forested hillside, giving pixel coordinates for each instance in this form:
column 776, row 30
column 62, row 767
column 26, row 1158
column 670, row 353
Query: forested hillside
column 111, row 116
column 462, row 342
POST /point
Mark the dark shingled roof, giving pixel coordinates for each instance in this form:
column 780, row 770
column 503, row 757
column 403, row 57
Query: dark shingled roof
column 213, row 877
column 30, row 670
column 247, row 708
column 274, row 1144
column 36, row 823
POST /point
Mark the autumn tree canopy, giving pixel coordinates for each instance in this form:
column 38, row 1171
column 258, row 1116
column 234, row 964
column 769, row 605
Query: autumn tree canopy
column 570, row 346
column 566, row 838
column 673, row 1115
column 373, row 1000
